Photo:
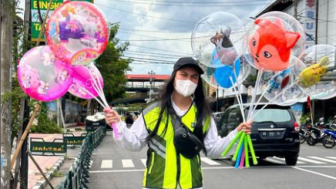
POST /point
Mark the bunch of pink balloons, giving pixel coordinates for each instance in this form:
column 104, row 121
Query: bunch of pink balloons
column 77, row 34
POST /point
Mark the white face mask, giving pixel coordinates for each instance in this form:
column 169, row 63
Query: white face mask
column 185, row 87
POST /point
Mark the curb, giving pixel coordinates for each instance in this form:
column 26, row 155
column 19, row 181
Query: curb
column 49, row 175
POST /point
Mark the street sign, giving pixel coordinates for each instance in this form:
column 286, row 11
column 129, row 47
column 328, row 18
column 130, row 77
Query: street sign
column 39, row 147
column 70, row 139
column 35, row 26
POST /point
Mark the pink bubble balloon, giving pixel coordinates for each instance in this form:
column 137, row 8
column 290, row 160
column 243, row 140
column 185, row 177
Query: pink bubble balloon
column 77, row 32
column 42, row 76
column 82, row 85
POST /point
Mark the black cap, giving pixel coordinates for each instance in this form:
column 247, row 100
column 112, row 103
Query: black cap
column 187, row 62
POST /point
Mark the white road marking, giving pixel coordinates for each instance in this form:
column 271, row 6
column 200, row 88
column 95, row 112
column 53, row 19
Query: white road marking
column 226, row 167
column 106, row 164
column 91, row 162
column 316, row 173
column 282, row 159
column 127, row 163
column 209, row 161
column 323, row 159
column 310, row 160
column 272, row 160
column 330, row 157
column 144, row 161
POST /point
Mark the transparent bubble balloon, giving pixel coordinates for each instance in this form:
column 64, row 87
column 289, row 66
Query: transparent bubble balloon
column 281, row 87
column 226, row 77
column 317, row 77
column 295, row 26
column 218, row 39
column 270, row 42
column 77, row 32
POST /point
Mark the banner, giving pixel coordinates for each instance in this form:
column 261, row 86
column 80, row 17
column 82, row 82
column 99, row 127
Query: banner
column 309, row 22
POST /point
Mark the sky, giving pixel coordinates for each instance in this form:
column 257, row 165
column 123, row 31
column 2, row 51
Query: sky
column 159, row 31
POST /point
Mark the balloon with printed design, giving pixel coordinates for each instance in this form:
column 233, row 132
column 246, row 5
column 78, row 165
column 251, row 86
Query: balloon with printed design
column 84, row 77
column 281, row 87
column 42, row 76
column 217, row 40
column 227, row 76
column 77, row 32
column 270, row 43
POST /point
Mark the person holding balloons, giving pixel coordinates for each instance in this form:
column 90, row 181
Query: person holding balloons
column 175, row 128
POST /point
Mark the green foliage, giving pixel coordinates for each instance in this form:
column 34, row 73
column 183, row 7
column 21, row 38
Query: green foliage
column 304, row 117
column 45, row 125
column 113, row 67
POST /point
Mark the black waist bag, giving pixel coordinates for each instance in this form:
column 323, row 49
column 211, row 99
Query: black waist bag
column 186, row 143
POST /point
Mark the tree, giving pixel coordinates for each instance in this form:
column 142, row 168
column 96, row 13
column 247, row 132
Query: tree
column 113, row 67
column 6, row 84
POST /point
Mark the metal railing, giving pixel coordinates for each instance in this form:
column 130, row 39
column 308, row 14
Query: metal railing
column 77, row 177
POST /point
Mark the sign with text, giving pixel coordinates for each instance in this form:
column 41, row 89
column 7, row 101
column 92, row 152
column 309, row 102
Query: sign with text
column 73, row 140
column 39, row 147
column 35, row 26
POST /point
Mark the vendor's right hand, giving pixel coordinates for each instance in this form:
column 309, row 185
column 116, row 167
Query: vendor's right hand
column 111, row 116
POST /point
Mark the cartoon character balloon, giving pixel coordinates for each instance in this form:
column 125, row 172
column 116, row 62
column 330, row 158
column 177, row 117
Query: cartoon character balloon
column 220, row 33
column 270, row 44
column 42, row 76
column 77, row 32
column 82, row 85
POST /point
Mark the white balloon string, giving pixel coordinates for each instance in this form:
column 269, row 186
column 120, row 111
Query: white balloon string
column 249, row 115
column 238, row 99
column 93, row 96
column 255, row 107
column 96, row 87
column 239, row 93
column 102, row 90
column 275, row 97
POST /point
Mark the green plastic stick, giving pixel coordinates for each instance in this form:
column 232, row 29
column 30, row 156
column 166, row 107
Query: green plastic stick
column 255, row 162
column 238, row 147
column 247, row 162
column 231, row 144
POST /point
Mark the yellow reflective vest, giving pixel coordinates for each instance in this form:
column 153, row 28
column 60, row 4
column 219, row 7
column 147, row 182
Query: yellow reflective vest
column 165, row 167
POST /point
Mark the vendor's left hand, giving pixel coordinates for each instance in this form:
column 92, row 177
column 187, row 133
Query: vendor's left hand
column 245, row 127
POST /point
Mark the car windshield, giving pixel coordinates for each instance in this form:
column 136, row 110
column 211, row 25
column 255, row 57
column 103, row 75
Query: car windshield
column 275, row 115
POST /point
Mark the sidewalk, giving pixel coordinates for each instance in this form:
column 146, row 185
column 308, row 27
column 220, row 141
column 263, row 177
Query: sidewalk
column 47, row 163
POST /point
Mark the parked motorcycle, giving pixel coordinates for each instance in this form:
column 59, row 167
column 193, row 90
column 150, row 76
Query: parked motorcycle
column 305, row 131
column 329, row 139
column 316, row 135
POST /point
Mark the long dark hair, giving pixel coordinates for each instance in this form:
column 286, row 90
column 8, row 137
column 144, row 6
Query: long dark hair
column 202, row 105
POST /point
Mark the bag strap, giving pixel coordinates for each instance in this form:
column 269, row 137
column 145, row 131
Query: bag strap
column 177, row 122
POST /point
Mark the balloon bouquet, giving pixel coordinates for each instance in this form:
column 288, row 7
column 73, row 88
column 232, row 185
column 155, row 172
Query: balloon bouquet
column 77, row 35
column 275, row 46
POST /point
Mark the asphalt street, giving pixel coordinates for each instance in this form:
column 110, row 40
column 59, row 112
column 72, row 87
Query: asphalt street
column 116, row 168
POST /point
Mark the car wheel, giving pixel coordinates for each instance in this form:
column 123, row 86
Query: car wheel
column 291, row 159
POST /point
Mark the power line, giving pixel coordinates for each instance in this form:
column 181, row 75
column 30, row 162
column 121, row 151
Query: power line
column 203, row 4
column 183, row 54
column 168, row 19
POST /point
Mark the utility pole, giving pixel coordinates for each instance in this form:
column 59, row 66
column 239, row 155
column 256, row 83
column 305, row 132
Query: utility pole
column 7, row 8
column 151, row 73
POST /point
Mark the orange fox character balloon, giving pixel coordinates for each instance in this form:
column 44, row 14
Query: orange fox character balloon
column 270, row 45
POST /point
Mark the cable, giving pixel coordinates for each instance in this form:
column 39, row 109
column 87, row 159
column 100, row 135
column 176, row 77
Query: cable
column 160, row 50
column 203, row 4
column 173, row 20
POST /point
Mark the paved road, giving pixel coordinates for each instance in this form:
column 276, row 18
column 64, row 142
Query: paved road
column 113, row 167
